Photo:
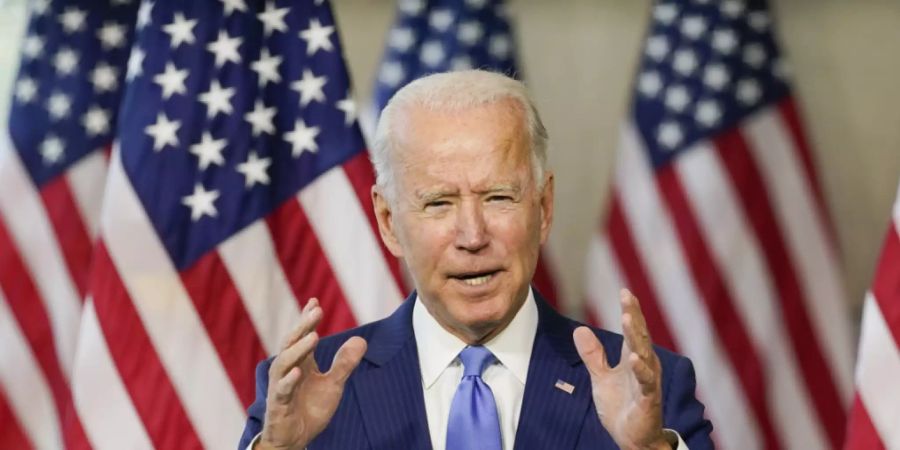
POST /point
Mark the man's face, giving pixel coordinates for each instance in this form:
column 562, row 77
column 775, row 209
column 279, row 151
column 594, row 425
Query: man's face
column 467, row 216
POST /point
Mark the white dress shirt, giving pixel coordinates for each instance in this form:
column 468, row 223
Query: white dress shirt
column 442, row 370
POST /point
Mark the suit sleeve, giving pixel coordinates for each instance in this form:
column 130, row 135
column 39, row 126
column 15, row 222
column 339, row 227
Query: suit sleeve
column 683, row 412
column 257, row 410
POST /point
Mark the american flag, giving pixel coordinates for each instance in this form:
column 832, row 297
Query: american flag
column 238, row 188
column 716, row 221
column 52, row 169
column 876, row 405
column 430, row 36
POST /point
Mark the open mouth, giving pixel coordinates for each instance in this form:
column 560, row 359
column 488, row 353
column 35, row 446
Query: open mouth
column 476, row 278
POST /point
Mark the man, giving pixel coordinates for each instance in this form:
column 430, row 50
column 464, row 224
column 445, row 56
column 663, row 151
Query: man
column 474, row 359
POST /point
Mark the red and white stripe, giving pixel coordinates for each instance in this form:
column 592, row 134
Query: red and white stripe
column 173, row 353
column 728, row 250
column 45, row 249
column 876, row 406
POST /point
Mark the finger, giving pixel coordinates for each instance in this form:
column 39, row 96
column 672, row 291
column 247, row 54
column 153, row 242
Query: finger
column 293, row 355
column 347, row 358
column 637, row 337
column 309, row 319
column 631, row 305
column 590, row 350
column 644, row 374
column 284, row 389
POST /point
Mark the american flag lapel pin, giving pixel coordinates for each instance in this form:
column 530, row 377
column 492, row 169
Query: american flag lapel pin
column 565, row 387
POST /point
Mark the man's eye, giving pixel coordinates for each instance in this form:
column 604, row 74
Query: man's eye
column 499, row 198
column 437, row 204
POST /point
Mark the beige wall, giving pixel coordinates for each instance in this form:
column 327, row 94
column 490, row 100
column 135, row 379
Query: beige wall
column 579, row 57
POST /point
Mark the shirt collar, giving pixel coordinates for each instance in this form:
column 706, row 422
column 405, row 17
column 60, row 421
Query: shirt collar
column 438, row 348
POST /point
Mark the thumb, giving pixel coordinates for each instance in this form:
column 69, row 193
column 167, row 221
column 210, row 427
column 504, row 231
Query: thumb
column 590, row 350
column 347, row 358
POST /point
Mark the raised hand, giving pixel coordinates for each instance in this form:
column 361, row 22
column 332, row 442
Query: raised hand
column 301, row 399
column 628, row 397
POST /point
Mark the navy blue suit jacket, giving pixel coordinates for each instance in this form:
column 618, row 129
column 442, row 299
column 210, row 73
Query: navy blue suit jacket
column 383, row 405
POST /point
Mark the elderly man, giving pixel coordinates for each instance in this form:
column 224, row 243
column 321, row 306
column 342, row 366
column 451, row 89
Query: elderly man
column 474, row 358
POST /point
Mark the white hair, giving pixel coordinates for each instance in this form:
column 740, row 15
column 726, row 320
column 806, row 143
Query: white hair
column 455, row 91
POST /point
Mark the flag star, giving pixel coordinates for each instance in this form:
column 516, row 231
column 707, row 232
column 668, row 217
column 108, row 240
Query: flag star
column 499, row 46
column 111, row 35
column 754, row 55
column 732, row 8
column 181, row 30
column 310, row 87
column 476, row 4
column 470, row 32
column 440, row 19
column 40, row 7
column 217, row 99
column 302, row 138
column 724, row 41
column 273, row 18
column 665, row 13
column 145, row 15
column 59, row 105
column 412, row 7
column 72, row 20
column 52, row 149
column 26, row 90
column 96, row 121
column 649, row 84
column 657, row 47
column 461, row 62
column 254, row 170
column 201, row 202
column 432, row 53
column 693, row 27
column 669, row 134
column 121, row 2
column 708, row 113
column 105, row 78
column 748, row 91
column 172, row 80
column 65, row 61
column 32, row 47
column 759, row 21
column 209, row 150
column 780, row 69
column 317, row 37
column 401, row 39
column 135, row 63
column 677, row 98
column 391, row 73
column 348, row 106
column 267, row 67
column 225, row 48
column 716, row 76
column 233, row 5
column 261, row 119
column 685, row 62
column 164, row 132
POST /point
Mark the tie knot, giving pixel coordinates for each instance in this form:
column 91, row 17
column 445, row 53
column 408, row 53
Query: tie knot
column 475, row 359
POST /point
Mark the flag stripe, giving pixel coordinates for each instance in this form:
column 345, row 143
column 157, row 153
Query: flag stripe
column 137, row 361
column 636, row 274
column 227, row 323
column 308, row 272
column 71, row 233
column 822, row 299
column 753, row 194
column 886, row 285
column 861, row 434
column 657, row 246
column 723, row 316
column 876, row 373
column 85, row 180
column 259, row 277
column 168, row 315
column 738, row 256
column 11, row 433
column 603, row 286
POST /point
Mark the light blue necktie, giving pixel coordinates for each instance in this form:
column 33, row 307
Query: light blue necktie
column 473, row 423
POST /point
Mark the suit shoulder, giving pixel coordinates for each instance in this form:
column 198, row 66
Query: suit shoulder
column 330, row 344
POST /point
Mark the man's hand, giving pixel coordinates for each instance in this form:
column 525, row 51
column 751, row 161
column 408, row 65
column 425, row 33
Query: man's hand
column 628, row 397
column 301, row 399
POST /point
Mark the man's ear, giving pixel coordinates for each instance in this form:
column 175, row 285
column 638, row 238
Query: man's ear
column 547, row 206
column 384, row 216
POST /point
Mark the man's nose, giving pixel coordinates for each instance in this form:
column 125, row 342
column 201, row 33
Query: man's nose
column 471, row 227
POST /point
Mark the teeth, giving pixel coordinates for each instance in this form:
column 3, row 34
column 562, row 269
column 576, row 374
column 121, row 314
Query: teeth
column 477, row 281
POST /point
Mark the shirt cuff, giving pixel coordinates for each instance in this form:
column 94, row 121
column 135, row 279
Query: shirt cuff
column 256, row 439
column 673, row 437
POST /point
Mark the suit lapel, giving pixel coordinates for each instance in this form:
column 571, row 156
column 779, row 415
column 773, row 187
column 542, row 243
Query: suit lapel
column 550, row 416
column 389, row 385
